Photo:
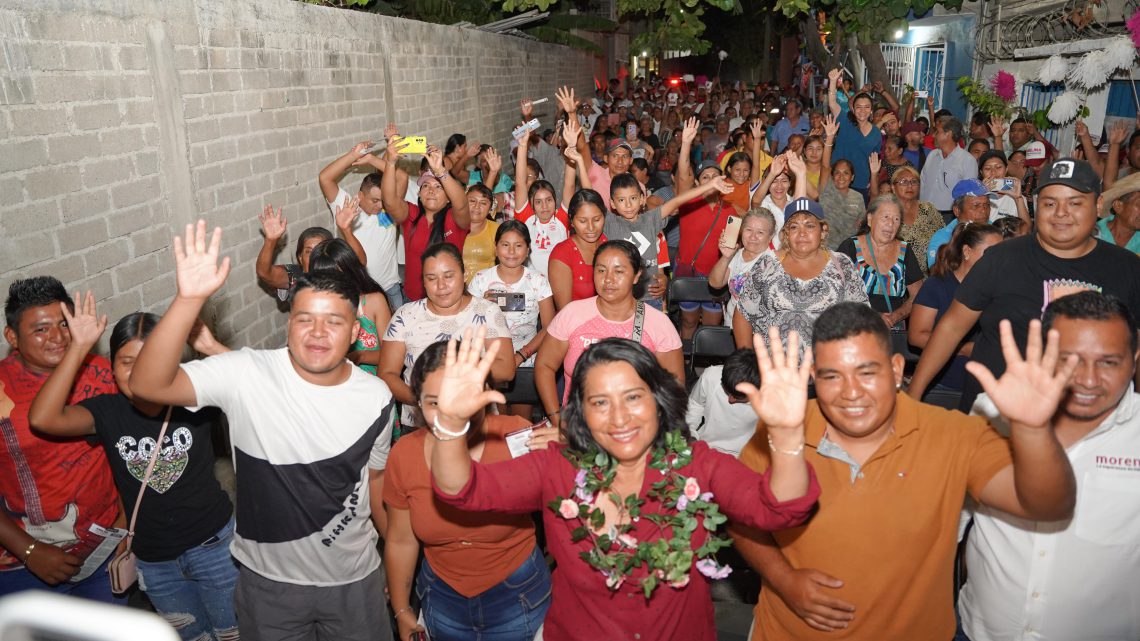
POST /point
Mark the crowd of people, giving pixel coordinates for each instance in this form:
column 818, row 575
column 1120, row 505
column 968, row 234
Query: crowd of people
column 933, row 320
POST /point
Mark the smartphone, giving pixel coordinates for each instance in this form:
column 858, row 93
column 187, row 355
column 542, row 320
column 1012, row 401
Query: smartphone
column 1001, row 184
column 510, row 301
column 639, row 153
column 921, row 94
column 732, row 229
column 631, row 131
column 526, row 128
column 413, row 145
column 672, row 99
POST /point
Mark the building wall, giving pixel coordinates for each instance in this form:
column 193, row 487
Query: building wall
column 123, row 120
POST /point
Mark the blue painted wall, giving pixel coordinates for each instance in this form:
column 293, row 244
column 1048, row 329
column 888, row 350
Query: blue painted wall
column 958, row 34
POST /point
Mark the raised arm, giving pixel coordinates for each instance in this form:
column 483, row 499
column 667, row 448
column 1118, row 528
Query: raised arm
column 719, row 184
column 779, row 164
column 330, row 176
column 1117, row 134
column 273, row 227
column 757, row 152
column 831, row 130
column 50, row 412
column 156, row 376
column 1085, row 140
column 833, row 78
column 394, row 182
column 520, row 173
column 494, row 166
column 888, row 95
column 462, row 393
column 454, row 190
column 943, row 343
column 875, row 165
column 569, row 103
column 798, row 167
column 685, row 178
column 1039, row 485
column 997, row 128
column 718, row 275
column 345, row 217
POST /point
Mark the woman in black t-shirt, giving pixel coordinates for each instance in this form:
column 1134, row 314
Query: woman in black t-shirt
column 185, row 523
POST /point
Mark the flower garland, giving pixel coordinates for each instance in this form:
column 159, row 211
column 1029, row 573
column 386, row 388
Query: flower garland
column 617, row 553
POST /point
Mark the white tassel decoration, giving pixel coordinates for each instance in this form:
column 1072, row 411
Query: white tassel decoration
column 1091, row 71
column 1054, row 70
column 1064, row 108
column 1119, row 54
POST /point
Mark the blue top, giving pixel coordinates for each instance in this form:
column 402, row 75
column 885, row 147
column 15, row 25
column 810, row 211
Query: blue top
column 504, row 185
column 856, row 148
column 784, row 130
column 937, row 293
column 940, row 238
column 1103, row 233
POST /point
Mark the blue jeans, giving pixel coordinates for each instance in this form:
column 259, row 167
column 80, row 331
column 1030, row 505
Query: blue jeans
column 395, row 295
column 195, row 592
column 96, row 587
column 510, row 611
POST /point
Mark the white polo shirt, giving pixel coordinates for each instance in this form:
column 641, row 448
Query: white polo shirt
column 725, row 426
column 377, row 234
column 1068, row 580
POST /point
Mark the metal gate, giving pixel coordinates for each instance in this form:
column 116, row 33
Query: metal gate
column 900, row 66
column 922, row 67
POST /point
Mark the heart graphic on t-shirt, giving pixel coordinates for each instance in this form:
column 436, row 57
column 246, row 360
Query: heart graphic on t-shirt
column 172, row 459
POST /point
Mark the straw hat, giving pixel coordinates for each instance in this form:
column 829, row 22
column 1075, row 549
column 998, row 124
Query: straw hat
column 1120, row 189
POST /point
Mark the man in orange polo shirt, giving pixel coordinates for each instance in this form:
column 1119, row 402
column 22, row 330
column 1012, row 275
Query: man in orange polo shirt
column 876, row 561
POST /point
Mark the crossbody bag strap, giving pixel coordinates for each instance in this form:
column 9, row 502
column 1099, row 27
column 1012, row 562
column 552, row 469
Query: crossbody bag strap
column 693, row 263
column 146, row 477
column 638, row 321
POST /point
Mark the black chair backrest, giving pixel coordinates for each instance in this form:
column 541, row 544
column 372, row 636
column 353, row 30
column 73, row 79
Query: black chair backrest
column 690, row 289
column 522, row 390
column 713, row 341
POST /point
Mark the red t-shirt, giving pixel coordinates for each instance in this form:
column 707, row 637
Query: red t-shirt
column 581, row 272
column 417, row 231
column 54, row 489
column 697, row 217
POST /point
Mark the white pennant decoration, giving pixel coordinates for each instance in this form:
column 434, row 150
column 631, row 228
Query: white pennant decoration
column 1054, row 70
column 1119, row 54
column 1091, row 71
column 1064, row 108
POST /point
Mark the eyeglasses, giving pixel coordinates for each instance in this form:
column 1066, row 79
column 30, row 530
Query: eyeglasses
column 909, row 182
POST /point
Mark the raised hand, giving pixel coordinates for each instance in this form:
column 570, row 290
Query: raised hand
column 689, row 131
column 346, row 214
column 834, row 76
column 494, row 160
column 1081, row 129
column 727, row 248
column 796, row 165
column 572, row 154
column 526, row 108
column 197, row 269
column 360, row 150
column 1118, row 133
column 566, row 100
column 434, row 157
column 272, row 223
column 758, row 130
column 779, row 165
column 997, row 126
column 473, row 148
column 395, row 144
column 830, row 127
column 203, row 341
column 391, row 131
column 463, row 391
column 781, row 400
column 571, row 132
column 721, row 184
column 85, row 325
column 874, row 162
column 1031, row 388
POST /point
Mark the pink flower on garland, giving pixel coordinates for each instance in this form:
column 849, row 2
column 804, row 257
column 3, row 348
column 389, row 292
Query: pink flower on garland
column 1004, row 85
column 1133, row 25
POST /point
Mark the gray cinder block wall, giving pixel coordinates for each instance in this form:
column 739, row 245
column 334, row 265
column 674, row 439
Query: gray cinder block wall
column 123, row 120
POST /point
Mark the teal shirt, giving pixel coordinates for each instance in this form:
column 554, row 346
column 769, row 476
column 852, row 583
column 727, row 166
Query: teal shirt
column 504, row 185
column 1103, row 233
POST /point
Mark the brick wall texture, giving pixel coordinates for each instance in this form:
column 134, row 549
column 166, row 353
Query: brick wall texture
column 122, row 120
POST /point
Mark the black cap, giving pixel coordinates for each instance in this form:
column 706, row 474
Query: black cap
column 1070, row 172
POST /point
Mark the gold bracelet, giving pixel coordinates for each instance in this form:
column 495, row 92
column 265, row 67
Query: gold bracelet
column 796, row 452
column 28, row 552
column 402, row 610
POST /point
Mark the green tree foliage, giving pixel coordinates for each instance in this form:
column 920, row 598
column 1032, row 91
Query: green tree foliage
column 871, row 21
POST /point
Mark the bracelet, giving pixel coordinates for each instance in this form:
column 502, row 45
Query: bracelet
column 402, row 610
column 521, row 355
column 796, row 452
column 437, row 430
column 28, row 552
column 440, row 177
column 554, row 413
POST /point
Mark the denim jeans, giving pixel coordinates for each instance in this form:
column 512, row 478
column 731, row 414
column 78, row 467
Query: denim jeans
column 510, row 611
column 195, row 592
column 96, row 587
column 395, row 295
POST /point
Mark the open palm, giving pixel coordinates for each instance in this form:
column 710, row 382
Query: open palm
column 1032, row 387
column 272, row 222
column 197, row 268
column 85, row 325
column 347, row 212
column 463, row 392
column 781, row 400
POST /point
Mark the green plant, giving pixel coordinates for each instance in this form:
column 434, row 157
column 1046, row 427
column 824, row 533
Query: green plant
column 983, row 99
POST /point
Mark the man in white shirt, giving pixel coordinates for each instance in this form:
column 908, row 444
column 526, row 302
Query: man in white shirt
column 718, row 414
column 373, row 228
column 311, row 434
column 1073, row 579
column 946, row 165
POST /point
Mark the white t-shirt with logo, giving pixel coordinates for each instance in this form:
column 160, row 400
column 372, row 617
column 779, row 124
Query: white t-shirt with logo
column 302, row 454
column 524, row 324
column 544, row 236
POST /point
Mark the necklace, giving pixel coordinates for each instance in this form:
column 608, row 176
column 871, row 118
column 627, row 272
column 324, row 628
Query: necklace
column 616, row 553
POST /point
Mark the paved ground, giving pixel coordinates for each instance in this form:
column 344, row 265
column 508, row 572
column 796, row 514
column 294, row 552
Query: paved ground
column 733, row 621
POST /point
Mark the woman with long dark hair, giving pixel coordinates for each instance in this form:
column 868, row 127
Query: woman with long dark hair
column 632, row 507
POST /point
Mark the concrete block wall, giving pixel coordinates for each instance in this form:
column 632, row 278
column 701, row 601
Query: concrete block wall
column 123, row 120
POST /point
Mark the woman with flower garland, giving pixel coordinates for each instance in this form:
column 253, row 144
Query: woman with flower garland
column 631, row 505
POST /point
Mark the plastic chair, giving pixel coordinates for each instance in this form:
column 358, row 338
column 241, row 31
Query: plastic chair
column 711, row 344
column 522, row 390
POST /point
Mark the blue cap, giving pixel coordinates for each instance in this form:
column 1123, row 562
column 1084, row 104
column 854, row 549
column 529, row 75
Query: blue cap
column 803, row 206
column 970, row 187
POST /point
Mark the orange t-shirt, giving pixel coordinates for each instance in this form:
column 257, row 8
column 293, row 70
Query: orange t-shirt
column 890, row 533
column 471, row 551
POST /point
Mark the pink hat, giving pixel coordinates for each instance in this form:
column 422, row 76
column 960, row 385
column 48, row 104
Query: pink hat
column 428, row 176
